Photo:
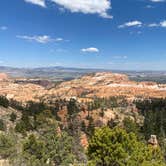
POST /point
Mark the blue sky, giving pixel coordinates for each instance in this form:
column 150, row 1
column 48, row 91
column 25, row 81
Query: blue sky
column 116, row 34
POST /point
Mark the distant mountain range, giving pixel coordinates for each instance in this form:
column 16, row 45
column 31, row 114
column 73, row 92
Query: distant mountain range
column 59, row 73
column 51, row 73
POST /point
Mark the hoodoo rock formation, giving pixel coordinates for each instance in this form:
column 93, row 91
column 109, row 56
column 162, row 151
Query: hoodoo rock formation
column 104, row 84
column 107, row 84
column 153, row 141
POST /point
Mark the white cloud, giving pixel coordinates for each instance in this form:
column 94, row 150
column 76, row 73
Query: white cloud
column 90, row 49
column 100, row 7
column 37, row 2
column 163, row 24
column 140, row 24
column 157, row 0
column 40, row 39
column 58, row 39
column 153, row 25
column 131, row 24
column 3, row 28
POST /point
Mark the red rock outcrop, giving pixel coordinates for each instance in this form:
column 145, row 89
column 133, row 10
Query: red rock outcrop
column 104, row 84
column 3, row 77
column 107, row 84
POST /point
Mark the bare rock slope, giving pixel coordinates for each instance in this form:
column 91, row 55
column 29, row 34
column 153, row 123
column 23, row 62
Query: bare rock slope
column 104, row 84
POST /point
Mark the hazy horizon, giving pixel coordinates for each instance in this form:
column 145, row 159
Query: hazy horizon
column 84, row 68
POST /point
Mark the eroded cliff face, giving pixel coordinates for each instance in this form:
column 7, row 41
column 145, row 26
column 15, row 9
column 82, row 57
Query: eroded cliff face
column 103, row 84
column 19, row 92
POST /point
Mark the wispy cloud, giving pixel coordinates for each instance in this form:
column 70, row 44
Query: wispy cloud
column 40, row 39
column 58, row 50
column 135, row 32
column 3, row 28
column 161, row 24
column 37, row 2
column 158, row 0
column 154, row 1
column 149, row 6
column 59, row 39
column 120, row 57
column 131, row 24
column 153, row 25
column 90, row 49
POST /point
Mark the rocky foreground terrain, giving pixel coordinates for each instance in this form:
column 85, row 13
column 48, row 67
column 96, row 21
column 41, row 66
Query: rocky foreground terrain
column 103, row 84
